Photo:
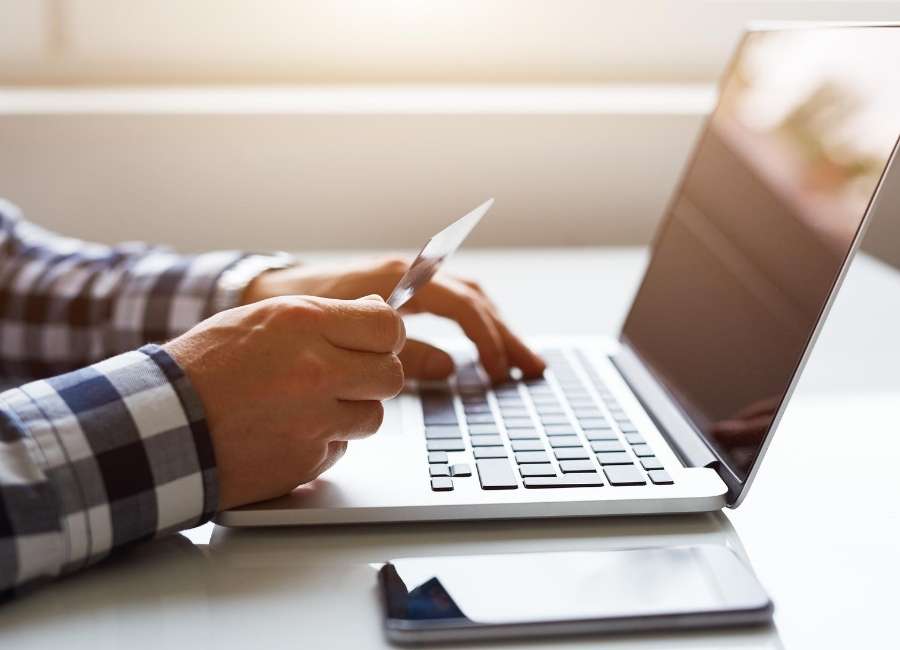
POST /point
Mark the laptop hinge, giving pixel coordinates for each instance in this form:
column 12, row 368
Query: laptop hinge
column 681, row 435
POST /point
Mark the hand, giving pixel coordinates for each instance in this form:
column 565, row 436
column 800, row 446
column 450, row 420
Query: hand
column 747, row 426
column 457, row 299
column 286, row 382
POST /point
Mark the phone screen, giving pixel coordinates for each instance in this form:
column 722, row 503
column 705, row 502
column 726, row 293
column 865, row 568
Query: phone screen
column 527, row 588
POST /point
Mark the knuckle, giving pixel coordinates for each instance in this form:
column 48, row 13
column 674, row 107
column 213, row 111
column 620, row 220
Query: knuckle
column 373, row 416
column 393, row 265
column 313, row 374
column 389, row 325
column 395, row 376
column 298, row 309
column 338, row 450
column 475, row 286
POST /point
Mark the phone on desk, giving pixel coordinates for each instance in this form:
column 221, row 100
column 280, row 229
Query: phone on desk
column 529, row 594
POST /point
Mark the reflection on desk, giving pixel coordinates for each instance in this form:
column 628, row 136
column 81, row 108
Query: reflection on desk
column 315, row 587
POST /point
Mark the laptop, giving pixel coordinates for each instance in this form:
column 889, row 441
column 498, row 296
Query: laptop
column 674, row 415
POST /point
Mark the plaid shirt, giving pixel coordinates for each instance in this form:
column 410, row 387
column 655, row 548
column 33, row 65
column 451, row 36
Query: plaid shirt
column 99, row 456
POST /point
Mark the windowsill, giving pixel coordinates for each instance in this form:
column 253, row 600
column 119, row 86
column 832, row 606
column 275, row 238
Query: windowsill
column 665, row 99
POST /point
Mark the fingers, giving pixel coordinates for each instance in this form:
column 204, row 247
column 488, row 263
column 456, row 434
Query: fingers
column 498, row 347
column 336, row 450
column 355, row 420
column 742, row 431
column 333, row 453
column 366, row 324
column 457, row 302
column 365, row 375
column 423, row 361
column 520, row 355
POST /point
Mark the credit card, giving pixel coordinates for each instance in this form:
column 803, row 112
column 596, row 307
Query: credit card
column 434, row 253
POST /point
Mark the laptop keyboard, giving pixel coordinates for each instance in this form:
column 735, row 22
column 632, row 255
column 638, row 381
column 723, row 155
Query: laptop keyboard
column 546, row 433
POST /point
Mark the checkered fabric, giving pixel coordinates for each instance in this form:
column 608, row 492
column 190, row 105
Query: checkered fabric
column 65, row 303
column 99, row 458
column 116, row 452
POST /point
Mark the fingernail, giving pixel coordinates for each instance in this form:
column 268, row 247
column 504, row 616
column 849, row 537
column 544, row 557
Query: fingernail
column 373, row 296
column 437, row 365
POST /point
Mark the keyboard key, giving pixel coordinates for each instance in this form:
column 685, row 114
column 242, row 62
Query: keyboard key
column 439, row 470
column 446, row 445
column 651, row 463
column 569, row 480
column 442, row 432
column 614, row 458
column 624, row 475
column 496, row 474
column 627, row 427
column 593, row 423
column 634, row 438
column 518, row 423
column 549, row 409
column 523, row 457
column 489, row 452
column 604, row 446
column 523, row 434
column 483, row 430
column 560, row 430
column 571, row 466
column 439, row 457
column 480, row 418
column 442, row 484
column 660, row 477
column 547, row 399
column 480, row 407
column 537, row 469
column 570, row 453
column 487, row 441
column 440, row 418
column 514, row 413
column 558, row 442
column 527, row 445
column 460, row 469
column 594, row 436
column 554, row 419
column 642, row 451
column 588, row 413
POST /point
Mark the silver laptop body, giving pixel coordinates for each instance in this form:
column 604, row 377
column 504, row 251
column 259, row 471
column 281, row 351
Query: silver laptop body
column 675, row 415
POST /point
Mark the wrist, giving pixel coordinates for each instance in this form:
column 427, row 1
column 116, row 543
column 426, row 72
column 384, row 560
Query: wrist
column 234, row 283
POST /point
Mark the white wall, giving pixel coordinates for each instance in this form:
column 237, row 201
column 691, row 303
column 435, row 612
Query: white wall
column 393, row 158
column 566, row 169
column 387, row 41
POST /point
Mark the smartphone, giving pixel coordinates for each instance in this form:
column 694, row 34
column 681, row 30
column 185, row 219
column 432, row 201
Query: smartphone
column 429, row 599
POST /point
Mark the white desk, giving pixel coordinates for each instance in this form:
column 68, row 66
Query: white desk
column 820, row 525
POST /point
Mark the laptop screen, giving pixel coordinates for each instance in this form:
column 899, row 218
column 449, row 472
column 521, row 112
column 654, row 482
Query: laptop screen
column 762, row 224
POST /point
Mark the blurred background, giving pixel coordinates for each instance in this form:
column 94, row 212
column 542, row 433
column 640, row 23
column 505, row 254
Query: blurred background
column 366, row 123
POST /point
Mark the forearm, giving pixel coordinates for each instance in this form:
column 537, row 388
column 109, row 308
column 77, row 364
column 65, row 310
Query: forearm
column 97, row 459
column 65, row 303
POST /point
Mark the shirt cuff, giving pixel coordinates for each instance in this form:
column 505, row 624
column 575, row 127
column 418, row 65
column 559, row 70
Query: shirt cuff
column 234, row 280
column 126, row 448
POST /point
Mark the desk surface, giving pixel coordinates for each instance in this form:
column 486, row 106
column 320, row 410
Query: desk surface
column 820, row 524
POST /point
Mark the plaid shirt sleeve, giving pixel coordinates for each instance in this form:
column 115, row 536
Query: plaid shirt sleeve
column 97, row 459
column 65, row 303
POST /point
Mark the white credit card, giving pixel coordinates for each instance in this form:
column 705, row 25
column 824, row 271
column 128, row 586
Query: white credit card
column 430, row 258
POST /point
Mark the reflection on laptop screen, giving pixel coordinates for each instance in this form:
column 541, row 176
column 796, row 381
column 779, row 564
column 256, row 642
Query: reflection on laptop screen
column 762, row 224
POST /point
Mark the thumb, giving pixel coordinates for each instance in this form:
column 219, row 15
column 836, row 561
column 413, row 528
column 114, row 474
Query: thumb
column 423, row 361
